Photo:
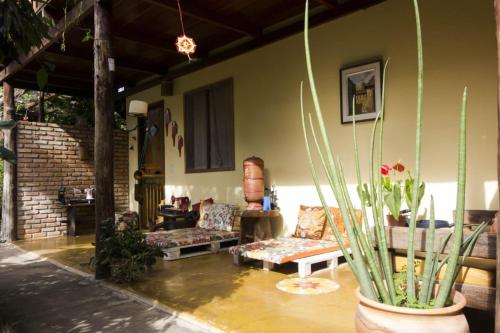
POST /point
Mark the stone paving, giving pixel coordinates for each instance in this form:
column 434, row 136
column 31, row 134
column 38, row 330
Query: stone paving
column 37, row 296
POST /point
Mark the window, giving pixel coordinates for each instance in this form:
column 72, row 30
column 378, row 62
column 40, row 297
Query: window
column 209, row 128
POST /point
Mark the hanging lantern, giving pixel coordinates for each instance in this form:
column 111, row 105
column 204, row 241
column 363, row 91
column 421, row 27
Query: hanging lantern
column 185, row 45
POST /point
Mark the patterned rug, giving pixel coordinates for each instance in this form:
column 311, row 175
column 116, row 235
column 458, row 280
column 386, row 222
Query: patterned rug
column 307, row 286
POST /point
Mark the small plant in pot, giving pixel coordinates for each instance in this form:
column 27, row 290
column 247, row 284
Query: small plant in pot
column 396, row 190
column 125, row 253
column 389, row 302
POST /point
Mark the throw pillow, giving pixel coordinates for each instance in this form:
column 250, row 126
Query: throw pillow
column 311, row 222
column 202, row 206
column 339, row 222
column 219, row 217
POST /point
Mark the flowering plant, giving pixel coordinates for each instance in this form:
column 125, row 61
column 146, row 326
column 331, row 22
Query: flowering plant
column 398, row 189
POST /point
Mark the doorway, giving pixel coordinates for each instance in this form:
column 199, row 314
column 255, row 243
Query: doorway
column 151, row 157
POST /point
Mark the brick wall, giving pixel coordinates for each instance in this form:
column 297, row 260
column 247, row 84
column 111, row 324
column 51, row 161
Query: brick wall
column 49, row 156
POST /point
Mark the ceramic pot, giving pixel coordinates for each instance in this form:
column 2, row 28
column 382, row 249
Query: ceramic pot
column 376, row 317
column 253, row 182
column 392, row 222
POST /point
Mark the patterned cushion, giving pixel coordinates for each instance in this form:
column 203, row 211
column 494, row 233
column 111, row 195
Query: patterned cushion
column 311, row 222
column 187, row 236
column 283, row 250
column 218, row 217
column 339, row 222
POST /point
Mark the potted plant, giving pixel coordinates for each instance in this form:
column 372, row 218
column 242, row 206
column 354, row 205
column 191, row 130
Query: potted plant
column 389, row 302
column 125, row 253
column 396, row 190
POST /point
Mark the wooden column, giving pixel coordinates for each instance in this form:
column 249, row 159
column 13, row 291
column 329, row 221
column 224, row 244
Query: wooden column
column 497, row 306
column 41, row 107
column 103, row 104
column 8, row 226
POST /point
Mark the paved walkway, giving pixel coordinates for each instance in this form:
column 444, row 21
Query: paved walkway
column 37, row 296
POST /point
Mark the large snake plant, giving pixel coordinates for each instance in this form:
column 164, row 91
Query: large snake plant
column 370, row 259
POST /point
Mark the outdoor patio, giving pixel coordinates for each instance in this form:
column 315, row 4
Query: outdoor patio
column 192, row 133
column 232, row 298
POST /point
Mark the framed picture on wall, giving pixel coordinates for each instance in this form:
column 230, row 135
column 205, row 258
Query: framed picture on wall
column 360, row 84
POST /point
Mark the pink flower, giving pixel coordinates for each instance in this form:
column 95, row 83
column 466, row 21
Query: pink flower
column 399, row 167
column 385, row 168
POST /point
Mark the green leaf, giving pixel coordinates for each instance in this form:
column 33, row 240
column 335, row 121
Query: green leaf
column 42, row 78
column 392, row 200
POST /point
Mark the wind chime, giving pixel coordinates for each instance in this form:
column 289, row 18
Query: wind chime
column 185, row 45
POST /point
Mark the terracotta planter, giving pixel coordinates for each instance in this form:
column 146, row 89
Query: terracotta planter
column 392, row 222
column 376, row 317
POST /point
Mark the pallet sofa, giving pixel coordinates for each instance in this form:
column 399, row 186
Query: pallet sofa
column 216, row 230
column 312, row 242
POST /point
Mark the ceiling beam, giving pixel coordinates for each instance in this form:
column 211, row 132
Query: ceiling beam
column 205, row 14
column 55, row 88
column 328, row 3
column 146, row 41
column 78, row 12
column 136, row 66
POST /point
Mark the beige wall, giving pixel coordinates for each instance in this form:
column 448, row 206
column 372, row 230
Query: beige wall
column 459, row 50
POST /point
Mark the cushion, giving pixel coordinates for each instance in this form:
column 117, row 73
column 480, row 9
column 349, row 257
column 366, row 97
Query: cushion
column 218, row 217
column 284, row 249
column 311, row 222
column 339, row 222
column 187, row 236
column 202, row 207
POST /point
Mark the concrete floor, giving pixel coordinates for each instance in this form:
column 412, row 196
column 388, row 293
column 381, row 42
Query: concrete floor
column 37, row 296
column 213, row 290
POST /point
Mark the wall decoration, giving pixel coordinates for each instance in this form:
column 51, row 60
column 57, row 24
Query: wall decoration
column 180, row 144
column 174, row 132
column 362, row 84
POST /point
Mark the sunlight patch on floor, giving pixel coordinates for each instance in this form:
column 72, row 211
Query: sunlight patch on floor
column 233, row 298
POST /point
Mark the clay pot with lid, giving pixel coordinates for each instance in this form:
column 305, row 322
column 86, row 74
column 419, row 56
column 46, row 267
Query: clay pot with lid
column 253, row 182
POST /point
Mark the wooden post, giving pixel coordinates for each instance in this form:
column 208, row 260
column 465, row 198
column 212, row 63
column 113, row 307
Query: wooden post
column 8, row 227
column 497, row 303
column 41, row 107
column 103, row 104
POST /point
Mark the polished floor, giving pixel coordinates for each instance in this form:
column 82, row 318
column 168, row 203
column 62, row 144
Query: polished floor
column 229, row 297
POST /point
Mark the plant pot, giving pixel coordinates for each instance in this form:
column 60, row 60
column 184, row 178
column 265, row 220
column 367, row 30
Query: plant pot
column 392, row 222
column 377, row 317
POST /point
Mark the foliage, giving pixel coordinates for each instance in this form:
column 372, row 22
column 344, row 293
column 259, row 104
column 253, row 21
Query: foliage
column 396, row 189
column 20, row 28
column 373, row 269
column 125, row 254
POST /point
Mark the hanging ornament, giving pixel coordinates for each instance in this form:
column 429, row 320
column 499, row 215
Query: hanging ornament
column 174, row 132
column 168, row 119
column 185, row 45
column 180, row 144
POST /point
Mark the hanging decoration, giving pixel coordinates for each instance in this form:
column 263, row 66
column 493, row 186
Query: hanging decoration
column 174, row 132
column 180, row 144
column 185, row 45
column 168, row 119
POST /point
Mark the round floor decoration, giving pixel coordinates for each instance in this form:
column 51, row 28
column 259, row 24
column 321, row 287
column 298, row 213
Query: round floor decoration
column 307, row 286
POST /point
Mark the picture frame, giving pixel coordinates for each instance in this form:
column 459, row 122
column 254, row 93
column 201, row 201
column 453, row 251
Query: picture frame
column 364, row 83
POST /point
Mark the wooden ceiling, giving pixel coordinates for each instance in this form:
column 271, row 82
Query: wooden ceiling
column 144, row 33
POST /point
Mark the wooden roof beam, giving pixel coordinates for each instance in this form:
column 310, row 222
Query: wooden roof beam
column 79, row 11
column 328, row 3
column 120, row 64
column 146, row 41
column 207, row 15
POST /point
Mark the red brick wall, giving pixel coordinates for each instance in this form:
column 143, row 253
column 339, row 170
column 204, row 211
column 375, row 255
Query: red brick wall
column 48, row 157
